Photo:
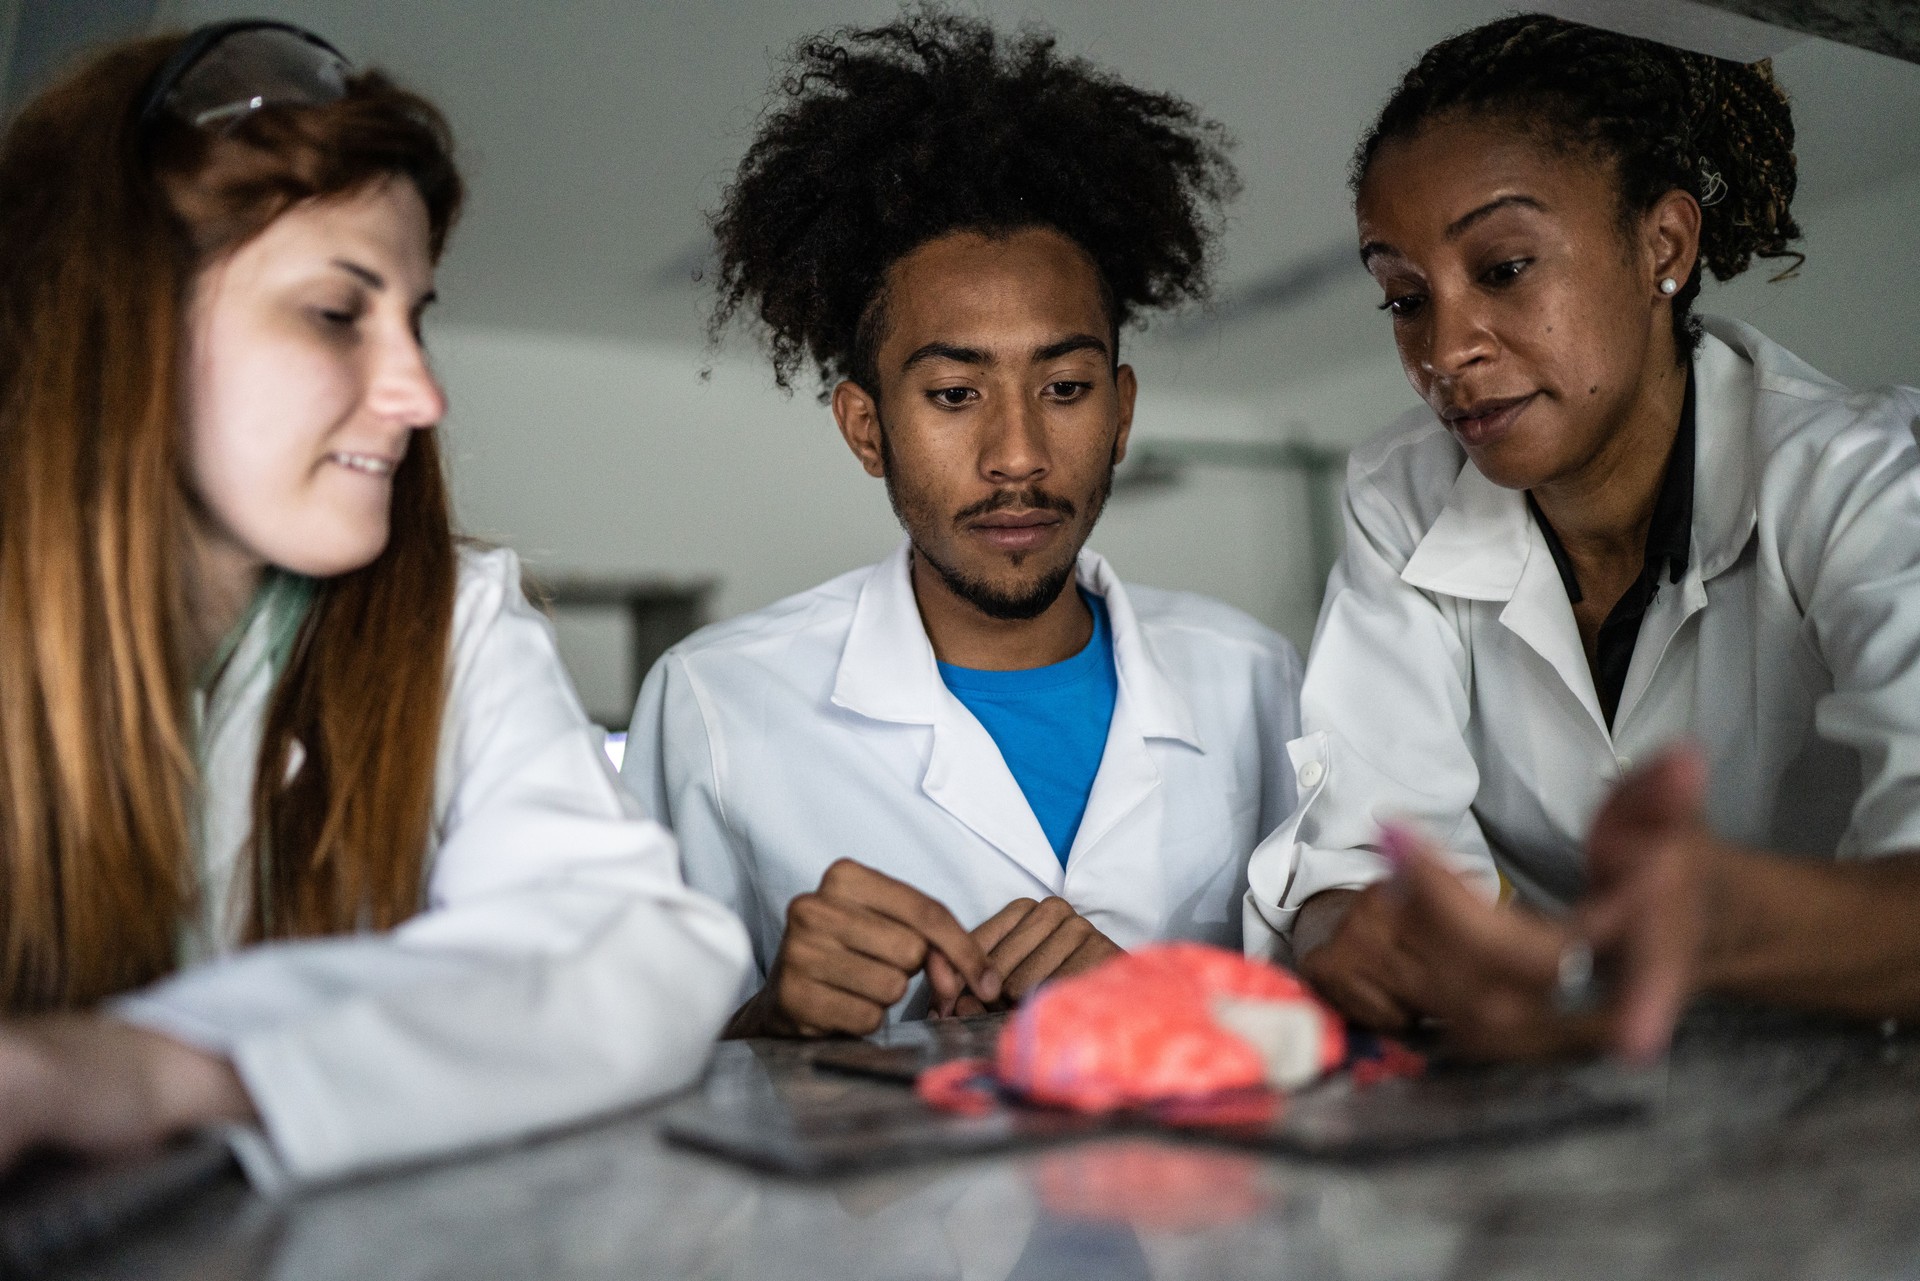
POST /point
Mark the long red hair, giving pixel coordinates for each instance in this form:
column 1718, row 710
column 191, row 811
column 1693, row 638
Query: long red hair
column 102, row 234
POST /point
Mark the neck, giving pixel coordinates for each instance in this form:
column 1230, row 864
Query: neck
column 1602, row 510
column 221, row 580
column 965, row 637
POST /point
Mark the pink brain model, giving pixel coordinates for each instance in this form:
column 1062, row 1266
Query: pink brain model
column 1176, row 1021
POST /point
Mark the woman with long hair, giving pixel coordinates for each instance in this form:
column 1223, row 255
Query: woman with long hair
column 301, row 825
column 1613, row 526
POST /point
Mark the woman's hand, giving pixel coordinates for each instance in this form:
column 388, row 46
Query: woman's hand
column 1491, row 975
column 1653, row 895
column 1488, row 975
column 90, row 1084
column 1347, row 944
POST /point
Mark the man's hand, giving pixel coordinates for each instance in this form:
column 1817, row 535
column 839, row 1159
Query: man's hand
column 1347, row 945
column 1030, row 943
column 88, row 1084
column 850, row 951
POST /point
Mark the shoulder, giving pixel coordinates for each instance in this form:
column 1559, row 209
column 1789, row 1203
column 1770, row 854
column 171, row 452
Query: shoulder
column 501, row 640
column 1399, row 480
column 490, row 580
column 1805, row 422
column 774, row 636
column 1208, row 629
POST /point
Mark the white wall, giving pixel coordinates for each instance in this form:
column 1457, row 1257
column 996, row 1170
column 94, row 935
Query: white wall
column 604, row 457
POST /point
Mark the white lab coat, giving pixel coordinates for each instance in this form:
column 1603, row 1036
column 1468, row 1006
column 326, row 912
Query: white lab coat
column 1448, row 685
column 560, row 968
column 819, row 728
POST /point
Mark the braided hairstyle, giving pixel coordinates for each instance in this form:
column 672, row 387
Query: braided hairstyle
column 1667, row 119
column 882, row 139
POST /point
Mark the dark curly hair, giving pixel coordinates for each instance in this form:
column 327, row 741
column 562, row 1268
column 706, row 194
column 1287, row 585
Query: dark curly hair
column 1668, row 119
column 881, row 139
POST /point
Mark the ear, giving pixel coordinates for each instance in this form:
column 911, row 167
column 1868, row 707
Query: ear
column 1125, row 387
column 858, row 414
column 1671, row 234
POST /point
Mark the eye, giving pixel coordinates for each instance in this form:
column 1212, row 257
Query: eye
column 1067, row 390
column 1505, row 273
column 1404, row 306
column 953, row 397
column 338, row 320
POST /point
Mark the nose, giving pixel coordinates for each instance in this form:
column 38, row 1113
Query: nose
column 403, row 389
column 1015, row 449
column 1456, row 336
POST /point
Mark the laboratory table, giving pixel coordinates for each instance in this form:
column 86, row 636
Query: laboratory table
column 1776, row 1147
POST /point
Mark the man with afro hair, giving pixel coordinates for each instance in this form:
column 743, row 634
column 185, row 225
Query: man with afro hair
column 983, row 760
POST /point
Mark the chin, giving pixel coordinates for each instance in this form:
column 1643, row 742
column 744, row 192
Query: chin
column 1511, row 465
column 998, row 593
column 333, row 557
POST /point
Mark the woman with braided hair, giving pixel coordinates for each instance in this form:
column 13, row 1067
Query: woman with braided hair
column 1629, row 609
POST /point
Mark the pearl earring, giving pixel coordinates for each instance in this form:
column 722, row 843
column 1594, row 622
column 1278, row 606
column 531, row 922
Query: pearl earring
column 1669, row 286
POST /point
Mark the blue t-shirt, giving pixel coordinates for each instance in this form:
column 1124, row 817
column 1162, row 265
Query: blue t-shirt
column 1050, row 724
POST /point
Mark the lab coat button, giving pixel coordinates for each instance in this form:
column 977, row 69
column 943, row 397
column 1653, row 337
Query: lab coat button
column 1311, row 773
column 1624, row 762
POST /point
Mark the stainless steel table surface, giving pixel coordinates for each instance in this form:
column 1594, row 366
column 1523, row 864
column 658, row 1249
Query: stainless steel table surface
column 1782, row 1148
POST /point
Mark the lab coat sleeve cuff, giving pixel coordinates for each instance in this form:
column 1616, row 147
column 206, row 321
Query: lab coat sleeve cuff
column 251, row 1148
column 1284, row 872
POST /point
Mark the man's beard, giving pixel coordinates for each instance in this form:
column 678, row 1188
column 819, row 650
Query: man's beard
column 1015, row 606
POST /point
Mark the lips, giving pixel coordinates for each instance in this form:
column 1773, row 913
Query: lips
column 1485, row 422
column 1015, row 531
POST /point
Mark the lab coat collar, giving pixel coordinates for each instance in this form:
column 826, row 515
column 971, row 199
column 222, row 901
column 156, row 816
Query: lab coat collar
column 888, row 673
column 1480, row 545
column 887, row 670
column 1726, row 509
column 1485, row 545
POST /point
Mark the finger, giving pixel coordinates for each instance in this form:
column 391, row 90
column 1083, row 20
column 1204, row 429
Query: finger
column 1049, row 955
column 1096, row 951
column 1657, row 953
column 1362, row 969
column 1667, row 794
column 818, row 1009
column 1035, row 928
column 934, row 923
column 848, row 970
column 989, row 933
column 1450, row 922
column 967, row 1006
column 822, row 920
column 948, row 987
column 1367, row 1004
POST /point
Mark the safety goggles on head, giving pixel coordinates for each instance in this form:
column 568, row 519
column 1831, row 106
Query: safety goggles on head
column 225, row 71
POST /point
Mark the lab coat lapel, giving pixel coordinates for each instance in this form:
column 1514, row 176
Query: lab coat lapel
column 887, row 672
column 1725, row 511
column 1148, row 705
column 1485, row 545
column 1541, row 615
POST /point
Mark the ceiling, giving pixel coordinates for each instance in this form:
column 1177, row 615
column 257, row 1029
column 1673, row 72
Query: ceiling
column 595, row 132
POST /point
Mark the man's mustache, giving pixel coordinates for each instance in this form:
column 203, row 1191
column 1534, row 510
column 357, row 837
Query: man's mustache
column 1020, row 499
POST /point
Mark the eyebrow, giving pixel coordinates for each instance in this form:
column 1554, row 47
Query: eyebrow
column 974, row 356
column 946, row 351
column 1067, row 346
column 1459, row 226
column 372, row 279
